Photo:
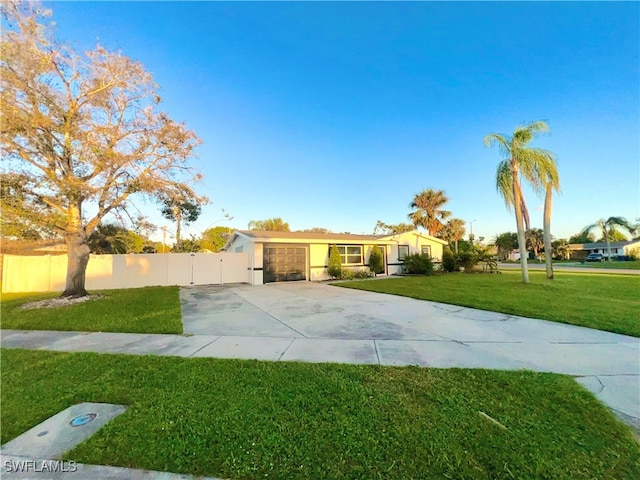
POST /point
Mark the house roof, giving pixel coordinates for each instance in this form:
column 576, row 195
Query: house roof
column 593, row 245
column 269, row 236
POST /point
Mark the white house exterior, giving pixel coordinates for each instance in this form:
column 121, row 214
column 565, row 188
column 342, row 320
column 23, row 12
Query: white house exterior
column 579, row 251
column 286, row 256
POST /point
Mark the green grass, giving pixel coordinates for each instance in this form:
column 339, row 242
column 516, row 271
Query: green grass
column 136, row 310
column 256, row 420
column 606, row 302
column 631, row 265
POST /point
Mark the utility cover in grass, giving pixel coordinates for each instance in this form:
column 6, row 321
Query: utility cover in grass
column 62, row 432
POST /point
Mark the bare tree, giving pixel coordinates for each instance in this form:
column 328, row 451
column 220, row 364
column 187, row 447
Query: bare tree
column 82, row 134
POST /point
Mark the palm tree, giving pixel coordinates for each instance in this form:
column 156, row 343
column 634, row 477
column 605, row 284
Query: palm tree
column 505, row 243
column 560, row 249
column 520, row 161
column 552, row 183
column 607, row 227
column 453, row 231
column 270, row 224
column 535, row 240
column 428, row 210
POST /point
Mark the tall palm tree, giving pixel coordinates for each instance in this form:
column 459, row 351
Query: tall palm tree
column 607, row 227
column 521, row 161
column 552, row 183
column 428, row 211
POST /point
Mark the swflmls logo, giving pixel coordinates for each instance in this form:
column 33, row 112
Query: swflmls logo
column 40, row 466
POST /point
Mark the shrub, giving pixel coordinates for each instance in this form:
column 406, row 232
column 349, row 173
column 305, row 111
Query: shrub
column 448, row 260
column 633, row 253
column 348, row 274
column 376, row 260
column 418, row 263
column 335, row 263
column 467, row 260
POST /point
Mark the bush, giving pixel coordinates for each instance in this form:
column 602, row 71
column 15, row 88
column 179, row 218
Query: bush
column 448, row 260
column 633, row 253
column 467, row 260
column 418, row 264
column 335, row 263
column 348, row 274
column 376, row 261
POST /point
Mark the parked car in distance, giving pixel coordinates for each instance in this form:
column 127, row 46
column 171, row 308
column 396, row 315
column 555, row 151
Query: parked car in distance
column 595, row 257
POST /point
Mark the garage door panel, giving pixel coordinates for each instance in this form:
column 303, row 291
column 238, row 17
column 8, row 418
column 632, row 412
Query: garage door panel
column 283, row 264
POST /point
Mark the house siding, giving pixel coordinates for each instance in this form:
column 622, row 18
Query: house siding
column 318, row 252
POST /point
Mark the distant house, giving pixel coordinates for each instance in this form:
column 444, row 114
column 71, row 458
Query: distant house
column 579, row 251
column 285, row 256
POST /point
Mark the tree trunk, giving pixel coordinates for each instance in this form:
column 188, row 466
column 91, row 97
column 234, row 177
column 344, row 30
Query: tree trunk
column 525, row 211
column 522, row 242
column 606, row 237
column 77, row 260
column 548, row 251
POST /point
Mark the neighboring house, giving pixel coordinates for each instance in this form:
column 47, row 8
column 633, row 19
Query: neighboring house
column 579, row 251
column 285, row 256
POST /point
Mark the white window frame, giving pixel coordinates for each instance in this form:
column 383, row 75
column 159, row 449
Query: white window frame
column 344, row 255
column 400, row 255
column 427, row 247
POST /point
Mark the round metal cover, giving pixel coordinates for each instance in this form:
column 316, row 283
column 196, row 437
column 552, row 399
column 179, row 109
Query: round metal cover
column 83, row 419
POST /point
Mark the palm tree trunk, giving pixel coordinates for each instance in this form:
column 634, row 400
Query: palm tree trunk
column 522, row 242
column 525, row 211
column 606, row 237
column 548, row 252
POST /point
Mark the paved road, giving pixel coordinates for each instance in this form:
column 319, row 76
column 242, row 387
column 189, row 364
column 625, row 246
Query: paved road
column 311, row 322
column 563, row 267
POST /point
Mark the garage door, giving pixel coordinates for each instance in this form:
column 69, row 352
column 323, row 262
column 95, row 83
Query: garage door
column 284, row 263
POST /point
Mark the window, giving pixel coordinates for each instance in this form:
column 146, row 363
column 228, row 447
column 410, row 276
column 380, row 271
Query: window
column 426, row 249
column 403, row 251
column 350, row 254
column 239, row 249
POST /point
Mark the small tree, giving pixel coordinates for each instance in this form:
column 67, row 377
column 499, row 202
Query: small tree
column 376, row 261
column 181, row 211
column 335, row 262
column 448, row 260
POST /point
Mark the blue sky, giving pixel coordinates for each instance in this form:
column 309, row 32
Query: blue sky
column 335, row 114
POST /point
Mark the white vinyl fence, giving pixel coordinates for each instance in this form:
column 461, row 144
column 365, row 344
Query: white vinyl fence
column 47, row 273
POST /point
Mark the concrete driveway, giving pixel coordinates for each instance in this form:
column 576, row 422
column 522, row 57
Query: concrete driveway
column 317, row 322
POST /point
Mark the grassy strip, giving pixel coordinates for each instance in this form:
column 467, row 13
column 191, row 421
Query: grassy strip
column 631, row 265
column 249, row 419
column 136, row 310
column 605, row 302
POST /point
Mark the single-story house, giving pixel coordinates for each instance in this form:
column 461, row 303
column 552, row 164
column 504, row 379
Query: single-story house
column 579, row 251
column 284, row 256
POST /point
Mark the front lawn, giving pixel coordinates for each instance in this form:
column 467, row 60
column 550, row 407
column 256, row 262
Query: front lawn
column 605, row 302
column 256, row 420
column 136, row 310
